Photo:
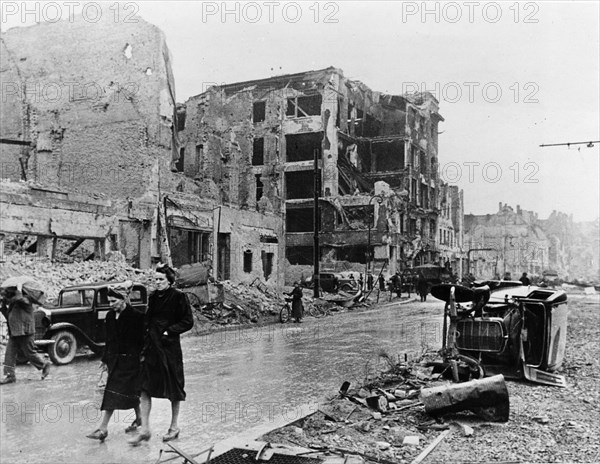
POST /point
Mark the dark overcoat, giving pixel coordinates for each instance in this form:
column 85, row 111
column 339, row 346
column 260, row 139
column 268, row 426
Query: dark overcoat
column 297, row 306
column 124, row 342
column 169, row 315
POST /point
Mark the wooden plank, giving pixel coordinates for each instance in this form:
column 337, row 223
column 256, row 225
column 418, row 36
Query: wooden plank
column 73, row 247
column 431, row 447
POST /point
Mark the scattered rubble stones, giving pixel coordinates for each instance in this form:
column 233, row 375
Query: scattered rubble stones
column 547, row 424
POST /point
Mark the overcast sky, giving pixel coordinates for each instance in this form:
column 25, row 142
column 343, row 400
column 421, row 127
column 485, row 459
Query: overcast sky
column 509, row 76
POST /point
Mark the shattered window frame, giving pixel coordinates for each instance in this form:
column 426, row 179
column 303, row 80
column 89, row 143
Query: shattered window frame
column 260, row 187
column 304, row 104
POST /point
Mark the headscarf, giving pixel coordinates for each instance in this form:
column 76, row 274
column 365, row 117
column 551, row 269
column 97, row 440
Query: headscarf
column 121, row 290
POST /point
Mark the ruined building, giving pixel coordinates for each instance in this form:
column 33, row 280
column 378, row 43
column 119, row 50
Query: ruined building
column 450, row 236
column 254, row 144
column 508, row 241
column 90, row 154
column 522, row 242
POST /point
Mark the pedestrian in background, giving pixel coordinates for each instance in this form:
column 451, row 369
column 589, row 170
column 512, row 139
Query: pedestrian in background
column 121, row 359
column 17, row 308
column 168, row 316
column 370, row 282
column 525, row 280
column 422, row 287
column 297, row 306
column 381, row 280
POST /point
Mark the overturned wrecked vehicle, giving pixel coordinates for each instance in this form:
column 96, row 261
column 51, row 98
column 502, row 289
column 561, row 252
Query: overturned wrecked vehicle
column 78, row 320
column 519, row 331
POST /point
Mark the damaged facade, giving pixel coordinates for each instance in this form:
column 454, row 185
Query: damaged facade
column 90, row 152
column 450, row 236
column 254, row 143
column 515, row 239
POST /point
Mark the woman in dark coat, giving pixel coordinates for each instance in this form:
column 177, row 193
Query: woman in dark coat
column 124, row 341
column 168, row 316
column 297, row 307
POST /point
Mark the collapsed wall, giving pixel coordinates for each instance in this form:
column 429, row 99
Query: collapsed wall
column 92, row 107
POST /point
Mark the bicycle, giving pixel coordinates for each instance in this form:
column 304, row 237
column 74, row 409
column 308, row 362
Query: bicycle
column 286, row 311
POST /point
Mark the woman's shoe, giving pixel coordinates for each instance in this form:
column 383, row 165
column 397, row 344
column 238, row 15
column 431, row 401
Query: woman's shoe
column 135, row 441
column 172, row 434
column 98, row 435
column 134, row 426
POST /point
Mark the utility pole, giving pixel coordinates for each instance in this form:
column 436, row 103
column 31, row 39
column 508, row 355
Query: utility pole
column 316, row 217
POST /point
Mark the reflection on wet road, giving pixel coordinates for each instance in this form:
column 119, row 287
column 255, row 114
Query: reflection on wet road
column 234, row 380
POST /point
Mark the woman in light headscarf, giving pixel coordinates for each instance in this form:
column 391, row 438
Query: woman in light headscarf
column 124, row 342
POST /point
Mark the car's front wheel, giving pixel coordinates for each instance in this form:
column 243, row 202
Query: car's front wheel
column 64, row 348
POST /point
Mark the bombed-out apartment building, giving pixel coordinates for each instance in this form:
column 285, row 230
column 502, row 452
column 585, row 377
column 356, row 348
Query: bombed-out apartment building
column 90, row 157
column 376, row 155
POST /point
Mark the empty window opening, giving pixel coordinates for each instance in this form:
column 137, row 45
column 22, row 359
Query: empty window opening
column 301, row 147
column 259, row 187
column 299, row 184
column 388, row 156
column 259, row 111
column 179, row 165
column 258, row 152
column 299, row 220
column 424, row 195
column 359, row 217
column 247, row 261
column 267, row 262
column 300, row 107
column 181, row 115
column 366, row 126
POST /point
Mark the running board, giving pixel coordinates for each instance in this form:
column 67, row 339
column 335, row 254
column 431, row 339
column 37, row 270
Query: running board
column 547, row 378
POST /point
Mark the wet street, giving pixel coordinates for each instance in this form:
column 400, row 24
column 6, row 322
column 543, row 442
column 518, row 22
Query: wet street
column 235, row 380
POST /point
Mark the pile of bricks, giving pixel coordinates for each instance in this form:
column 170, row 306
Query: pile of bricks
column 55, row 276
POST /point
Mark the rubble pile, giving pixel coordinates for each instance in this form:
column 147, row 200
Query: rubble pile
column 381, row 421
column 55, row 276
column 254, row 300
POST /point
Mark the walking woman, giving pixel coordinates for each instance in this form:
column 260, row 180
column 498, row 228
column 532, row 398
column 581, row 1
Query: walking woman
column 297, row 307
column 124, row 341
column 168, row 316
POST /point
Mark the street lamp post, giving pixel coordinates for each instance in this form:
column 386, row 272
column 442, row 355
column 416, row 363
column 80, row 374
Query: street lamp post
column 368, row 254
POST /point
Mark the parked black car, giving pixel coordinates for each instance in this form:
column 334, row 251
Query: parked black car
column 79, row 319
column 333, row 282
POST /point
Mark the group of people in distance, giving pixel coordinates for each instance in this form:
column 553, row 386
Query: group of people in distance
column 143, row 356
